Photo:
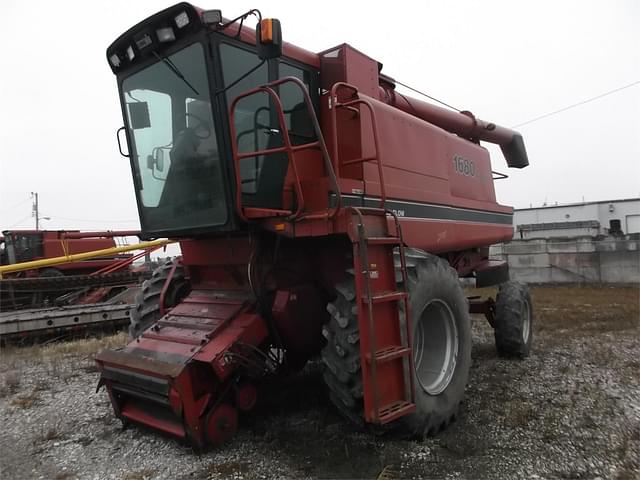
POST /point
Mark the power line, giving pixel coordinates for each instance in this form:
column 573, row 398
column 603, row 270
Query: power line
column 92, row 221
column 428, row 96
column 16, row 205
column 564, row 109
column 19, row 221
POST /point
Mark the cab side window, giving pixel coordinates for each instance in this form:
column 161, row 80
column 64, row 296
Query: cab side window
column 296, row 115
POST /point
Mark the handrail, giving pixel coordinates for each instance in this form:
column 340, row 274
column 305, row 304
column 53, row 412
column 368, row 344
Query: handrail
column 335, row 104
column 288, row 148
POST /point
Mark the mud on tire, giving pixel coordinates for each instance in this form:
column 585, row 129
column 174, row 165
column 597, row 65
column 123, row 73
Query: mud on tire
column 433, row 285
column 513, row 320
column 147, row 301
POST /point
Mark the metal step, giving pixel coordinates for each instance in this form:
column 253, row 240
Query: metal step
column 202, row 325
column 382, row 297
column 392, row 411
column 390, row 353
column 383, row 241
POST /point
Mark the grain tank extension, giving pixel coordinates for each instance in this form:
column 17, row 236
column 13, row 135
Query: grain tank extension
column 319, row 213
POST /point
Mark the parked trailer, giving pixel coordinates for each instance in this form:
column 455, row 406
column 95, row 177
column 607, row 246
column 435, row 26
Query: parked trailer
column 23, row 324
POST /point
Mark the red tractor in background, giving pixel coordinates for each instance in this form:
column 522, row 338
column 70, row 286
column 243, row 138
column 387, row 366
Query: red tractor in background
column 319, row 212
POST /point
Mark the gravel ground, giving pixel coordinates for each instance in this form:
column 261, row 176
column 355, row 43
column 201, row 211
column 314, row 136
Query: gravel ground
column 571, row 410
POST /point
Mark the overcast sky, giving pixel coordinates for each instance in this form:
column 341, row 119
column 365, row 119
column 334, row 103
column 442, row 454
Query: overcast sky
column 506, row 61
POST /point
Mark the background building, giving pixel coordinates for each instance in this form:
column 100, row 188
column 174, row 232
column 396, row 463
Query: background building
column 608, row 217
column 589, row 242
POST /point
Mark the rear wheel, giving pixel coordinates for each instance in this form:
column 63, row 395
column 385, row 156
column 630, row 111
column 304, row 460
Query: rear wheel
column 513, row 320
column 147, row 309
column 441, row 346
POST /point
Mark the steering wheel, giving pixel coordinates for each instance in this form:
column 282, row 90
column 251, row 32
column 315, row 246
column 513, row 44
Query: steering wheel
column 201, row 125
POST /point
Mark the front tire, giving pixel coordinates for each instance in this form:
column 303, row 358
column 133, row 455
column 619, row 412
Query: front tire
column 441, row 343
column 147, row 301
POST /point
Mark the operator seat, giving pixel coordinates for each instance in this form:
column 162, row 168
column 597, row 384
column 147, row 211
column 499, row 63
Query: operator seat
column 194, row 178
column 273, row 168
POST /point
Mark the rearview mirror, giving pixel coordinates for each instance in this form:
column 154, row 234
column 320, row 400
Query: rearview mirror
column 139, row 115
column 159, row 159
column 155, row 161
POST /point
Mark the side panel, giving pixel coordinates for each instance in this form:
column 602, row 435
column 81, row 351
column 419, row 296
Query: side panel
column 439, row 184
column 423, row 162
column 438, row 229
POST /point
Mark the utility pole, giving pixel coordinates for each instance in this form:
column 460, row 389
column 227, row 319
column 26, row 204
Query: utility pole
column 35, row 212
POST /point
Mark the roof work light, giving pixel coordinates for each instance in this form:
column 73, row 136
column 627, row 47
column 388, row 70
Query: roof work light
column 165, row 34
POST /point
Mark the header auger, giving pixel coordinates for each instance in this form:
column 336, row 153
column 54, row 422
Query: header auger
column 319, row 213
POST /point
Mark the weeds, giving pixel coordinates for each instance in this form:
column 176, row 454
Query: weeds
column 41, row 385
column 518, row 414
column 87, row 348
column 51, row 433
column 64, row 475
column 11, row 384
column 25, row 401
column 144, row 474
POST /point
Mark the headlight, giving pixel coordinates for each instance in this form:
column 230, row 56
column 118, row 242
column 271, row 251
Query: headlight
column 182, row 19
column 165, row 34
column 143, row 42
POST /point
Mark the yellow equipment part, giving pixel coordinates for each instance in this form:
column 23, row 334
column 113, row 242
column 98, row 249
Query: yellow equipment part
column 46, row 262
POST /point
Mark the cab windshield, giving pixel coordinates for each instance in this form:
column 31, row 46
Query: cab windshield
column 174, row 156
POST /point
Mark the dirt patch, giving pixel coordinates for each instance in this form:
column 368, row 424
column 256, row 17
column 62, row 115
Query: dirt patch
column 571, row 410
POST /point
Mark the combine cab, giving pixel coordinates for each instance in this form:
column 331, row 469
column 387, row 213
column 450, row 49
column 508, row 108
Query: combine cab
column 319, row 212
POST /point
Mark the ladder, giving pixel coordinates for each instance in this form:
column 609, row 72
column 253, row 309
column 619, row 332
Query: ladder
column 385, row 330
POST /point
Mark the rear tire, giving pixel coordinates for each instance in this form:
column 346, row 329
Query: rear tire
column 513, row 320
column 438, row 306
column 147, row 308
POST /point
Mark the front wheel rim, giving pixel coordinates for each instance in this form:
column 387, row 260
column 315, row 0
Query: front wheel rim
column 435, row 347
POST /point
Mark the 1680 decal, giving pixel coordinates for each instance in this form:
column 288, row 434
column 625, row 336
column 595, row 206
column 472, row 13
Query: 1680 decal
column 464, row 166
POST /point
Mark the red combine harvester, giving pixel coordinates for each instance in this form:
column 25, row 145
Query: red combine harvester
column 36, row 283
column 28, row 245
column 319, row 212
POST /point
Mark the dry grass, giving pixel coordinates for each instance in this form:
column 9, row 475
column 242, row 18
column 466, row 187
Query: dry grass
column 82, row 348
column 518, row 414
column 587, row 309
column 25, row 401
column 10, row 384
column 630, row 372
column 144, row 474
column 228, row 469
column 577, row 309
column 87, row 346
column 51, row 433
column 64, row 475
